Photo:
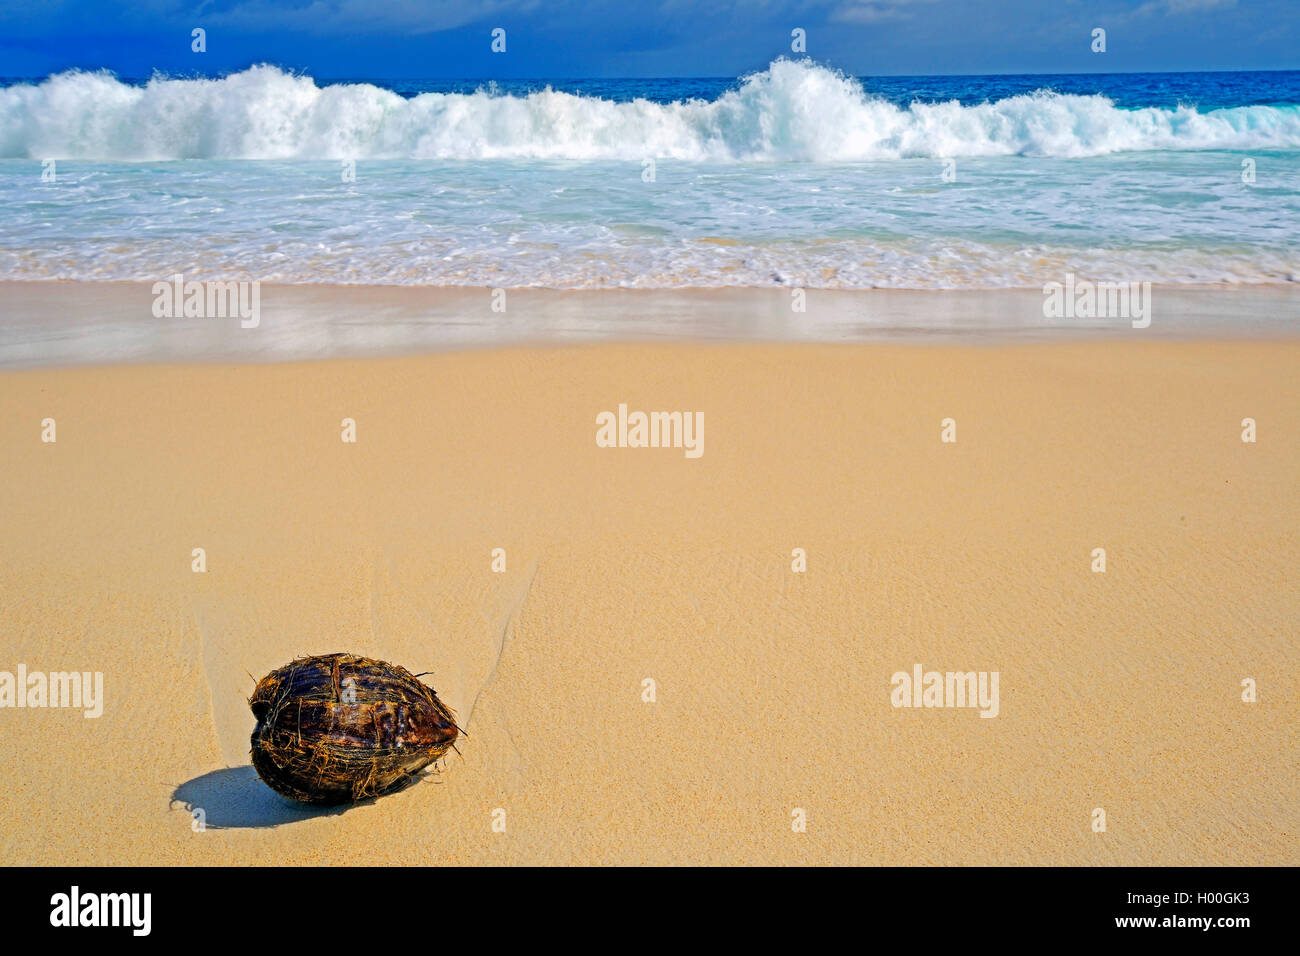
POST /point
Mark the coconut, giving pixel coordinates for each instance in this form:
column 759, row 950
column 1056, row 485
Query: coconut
column 339, row 728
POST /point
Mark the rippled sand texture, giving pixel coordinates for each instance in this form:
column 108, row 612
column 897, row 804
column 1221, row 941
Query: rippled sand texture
column 1118, row 690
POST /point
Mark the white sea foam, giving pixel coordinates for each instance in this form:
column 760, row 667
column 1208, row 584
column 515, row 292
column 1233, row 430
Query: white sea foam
column 793, row 111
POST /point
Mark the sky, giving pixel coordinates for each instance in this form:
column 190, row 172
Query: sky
column 560, row 39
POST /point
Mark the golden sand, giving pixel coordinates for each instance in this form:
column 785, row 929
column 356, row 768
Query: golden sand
column 1119, row 690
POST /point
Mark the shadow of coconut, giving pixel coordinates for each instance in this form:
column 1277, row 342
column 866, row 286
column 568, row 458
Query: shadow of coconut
column 237, row 798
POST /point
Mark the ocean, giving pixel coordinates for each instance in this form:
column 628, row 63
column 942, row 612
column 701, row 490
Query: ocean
column 794, row 175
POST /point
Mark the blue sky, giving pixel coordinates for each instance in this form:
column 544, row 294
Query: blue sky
column 613, row 38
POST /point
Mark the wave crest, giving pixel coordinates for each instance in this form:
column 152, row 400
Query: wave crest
column 794, row 111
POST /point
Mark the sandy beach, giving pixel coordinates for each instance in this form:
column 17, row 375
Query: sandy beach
column 1119, row 690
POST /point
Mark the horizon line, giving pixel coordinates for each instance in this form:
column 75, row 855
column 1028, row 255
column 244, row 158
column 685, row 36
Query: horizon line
column 303, row 71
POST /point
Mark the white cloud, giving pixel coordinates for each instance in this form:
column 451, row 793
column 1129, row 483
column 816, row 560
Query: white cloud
column 873, row 11
column 1174, row 7
column 361, row 16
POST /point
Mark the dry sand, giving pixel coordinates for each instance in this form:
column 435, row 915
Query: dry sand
column 1119, row 690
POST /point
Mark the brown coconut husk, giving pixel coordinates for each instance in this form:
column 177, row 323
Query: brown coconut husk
column 338, row 728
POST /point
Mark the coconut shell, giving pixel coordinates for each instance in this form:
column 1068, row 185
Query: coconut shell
column 340, row 728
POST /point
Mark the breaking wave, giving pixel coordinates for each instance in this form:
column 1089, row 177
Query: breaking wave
column 794, row 111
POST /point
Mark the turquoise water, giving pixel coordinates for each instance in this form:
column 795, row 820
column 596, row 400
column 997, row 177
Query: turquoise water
column 795, row 175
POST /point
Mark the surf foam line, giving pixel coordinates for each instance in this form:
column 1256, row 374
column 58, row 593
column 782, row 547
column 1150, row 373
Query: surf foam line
column 794, row 111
